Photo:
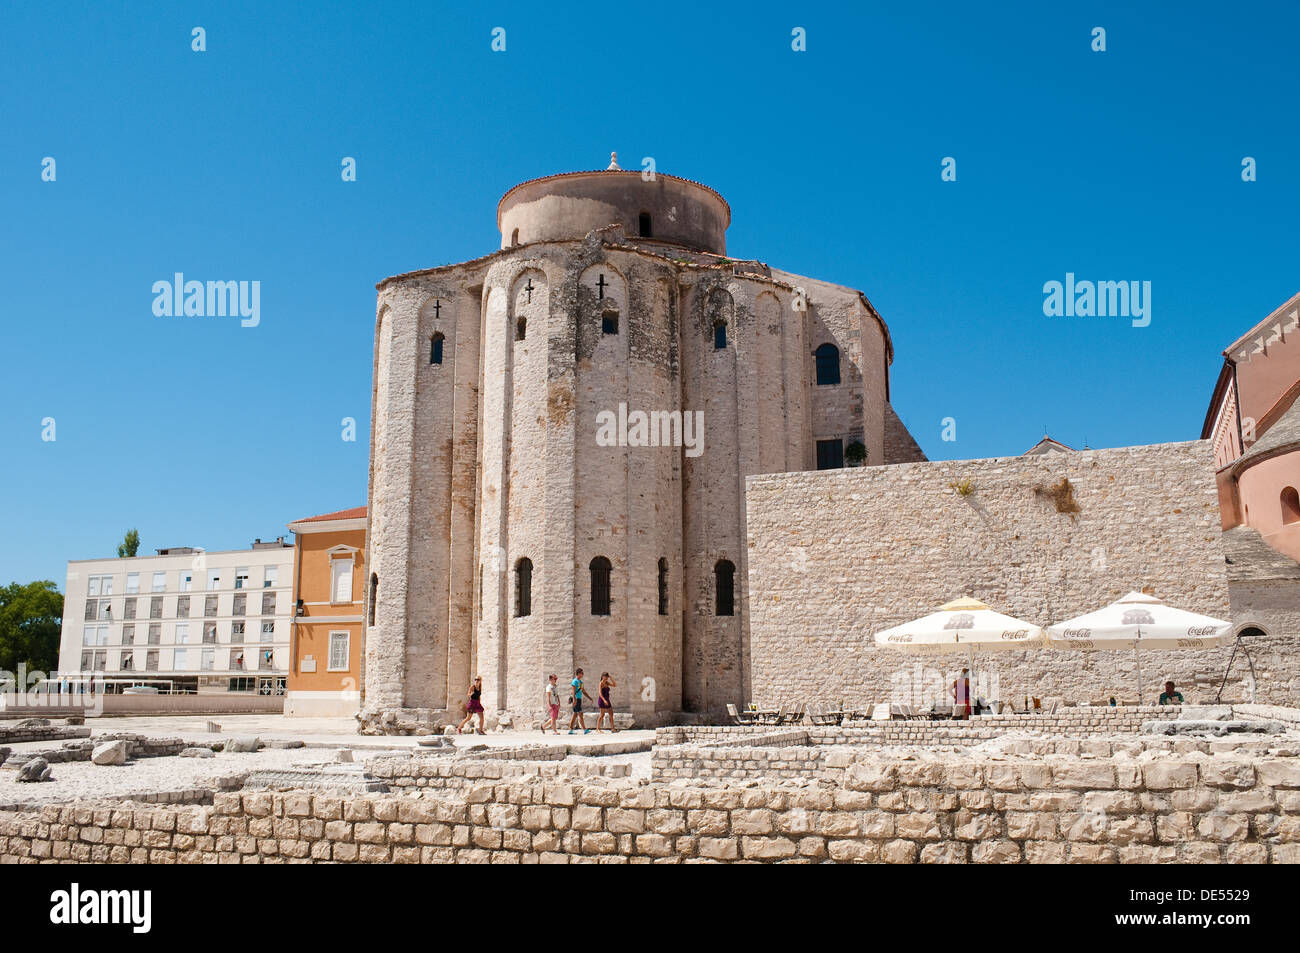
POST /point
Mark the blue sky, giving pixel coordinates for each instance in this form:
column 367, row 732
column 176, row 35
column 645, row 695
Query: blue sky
column 1122, row 165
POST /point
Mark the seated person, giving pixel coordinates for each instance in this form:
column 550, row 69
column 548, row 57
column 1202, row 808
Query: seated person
column 1169, row 696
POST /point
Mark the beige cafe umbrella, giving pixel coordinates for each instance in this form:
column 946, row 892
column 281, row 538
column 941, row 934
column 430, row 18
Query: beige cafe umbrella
column 1137, row 622
column 962, row 625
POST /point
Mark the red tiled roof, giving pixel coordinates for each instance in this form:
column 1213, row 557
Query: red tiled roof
column 356, row 513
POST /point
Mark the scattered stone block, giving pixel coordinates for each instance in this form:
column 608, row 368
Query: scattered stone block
column 242, row 745
column 38, row 769
column 110, row 753
column 198, row 753
column 342, row 756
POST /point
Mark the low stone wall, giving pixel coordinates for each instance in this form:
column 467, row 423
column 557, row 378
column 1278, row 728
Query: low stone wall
column 1174, row 810
column 408, row 774
column 137, row 746
column 15, row 734
column 1065, row 721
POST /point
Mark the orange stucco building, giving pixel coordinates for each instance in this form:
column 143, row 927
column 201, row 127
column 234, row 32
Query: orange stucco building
column 1254, row 421
column 329, row 609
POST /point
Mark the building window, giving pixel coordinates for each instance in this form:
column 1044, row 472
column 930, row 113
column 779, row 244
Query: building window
column 340, row 643
column 609, row 322
column 94, row 635
column 237, row 664
column 151, row 660
column 521, row 329
column 268, row 603
column 239, row 605
column 268, row 631
column 644, row 225
column 830, row 454
column 132, row 583
column 92, row 610
column 155, row 607
column 100, row 585
column 524, row 587
column 1290, row 505
column 374, row 592
column 187, row 581
column 600, row 599
column 180, row 659
column 828, row 364
column 209, row 606
column 514, row 237
column 159, row 582
column 182, row 632
column 241, row 577
column 128, row 608
column 266, row 660
column 155, row 633
column 720, row 336
column 435, row 349
column 214, row 579
column 236, row 633
column 128, row 635
column 724, row 578
column 183, row 607
column 341, row 580
column 271, row 575
column 206, row 659
column 127, row 662
column 209, row 633
column 663, row 586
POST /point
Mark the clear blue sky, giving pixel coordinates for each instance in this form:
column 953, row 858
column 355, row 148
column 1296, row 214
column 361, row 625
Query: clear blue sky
column 225, row 165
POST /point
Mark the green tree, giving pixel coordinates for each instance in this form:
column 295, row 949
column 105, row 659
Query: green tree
column 130, row 545
column 31, row 618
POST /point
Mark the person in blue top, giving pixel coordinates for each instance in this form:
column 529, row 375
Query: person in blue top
column 577, row 718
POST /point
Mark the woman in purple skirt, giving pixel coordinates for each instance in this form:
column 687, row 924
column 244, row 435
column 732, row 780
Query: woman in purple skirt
column 474, row 706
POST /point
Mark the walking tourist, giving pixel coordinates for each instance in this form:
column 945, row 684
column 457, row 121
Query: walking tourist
column 961, row 695
column 474, row 706
column 603, row 704
column 552, row 705
column 576, row 699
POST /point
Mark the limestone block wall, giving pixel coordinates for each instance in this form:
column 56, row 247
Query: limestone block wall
column 836, row 556
column 1179, row 809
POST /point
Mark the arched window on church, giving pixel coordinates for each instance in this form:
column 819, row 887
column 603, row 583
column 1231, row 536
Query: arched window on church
column 1290, row 505
column 828, row 364
column 600, row 596
column 663, row 586
column 521, row 329
column 719, row 335
column 724, row 579
column 374, row 594
column 435, row 349
column 609, row 321
column 524, row 587
column 514, row 237
column 644, row 226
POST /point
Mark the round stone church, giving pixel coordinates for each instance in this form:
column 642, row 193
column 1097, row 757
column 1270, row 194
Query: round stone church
column 562, row 433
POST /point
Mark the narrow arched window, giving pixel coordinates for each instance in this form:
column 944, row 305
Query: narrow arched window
column 1290, row 505
column 524, row 587
column 663, row 586
column 828, row 364
column 644, row 226
column 719, row 335
column 600, row 599
column 374, row 594
column 724, row 578
column 435, row 349
column 514, row 237
column 521, row 329
column 609, row 322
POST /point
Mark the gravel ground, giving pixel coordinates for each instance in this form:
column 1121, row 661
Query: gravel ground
column 84, row 780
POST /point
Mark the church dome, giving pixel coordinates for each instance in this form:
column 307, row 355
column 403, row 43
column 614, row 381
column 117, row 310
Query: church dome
column 651, row 206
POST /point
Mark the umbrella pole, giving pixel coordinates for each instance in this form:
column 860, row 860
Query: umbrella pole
column 1137, row 655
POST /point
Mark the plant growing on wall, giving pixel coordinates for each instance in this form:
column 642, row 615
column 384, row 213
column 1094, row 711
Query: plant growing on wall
column 855, row 454
column 1061, row 494
column 963, row 487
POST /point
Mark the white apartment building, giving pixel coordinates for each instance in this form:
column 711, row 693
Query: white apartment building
column 184, row 620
